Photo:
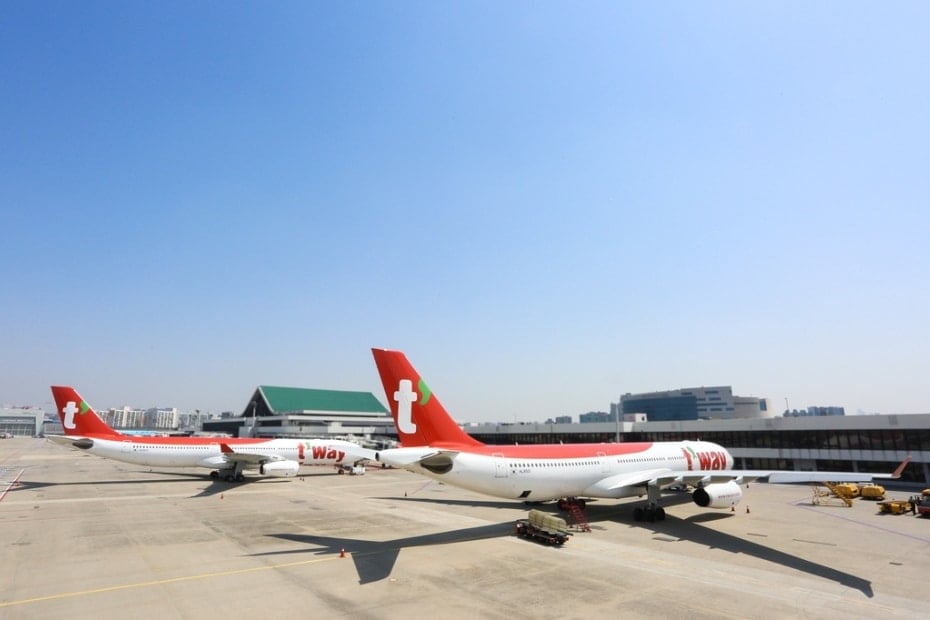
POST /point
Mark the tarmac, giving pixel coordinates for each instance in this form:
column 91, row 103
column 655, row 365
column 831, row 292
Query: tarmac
column 86, row 537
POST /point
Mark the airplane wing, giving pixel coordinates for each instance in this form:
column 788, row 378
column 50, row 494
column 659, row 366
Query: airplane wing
column 651, row 477
column 657, row 478
column 355, row 453
column 664, row 477
column 787, row 477
column 247, row 458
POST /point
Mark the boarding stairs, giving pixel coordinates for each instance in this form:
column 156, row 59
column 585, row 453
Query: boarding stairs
column 577, row 521
column 833, row 495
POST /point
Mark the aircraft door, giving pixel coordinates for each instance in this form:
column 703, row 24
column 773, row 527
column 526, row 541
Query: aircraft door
column 602, row 459
column 501, row 469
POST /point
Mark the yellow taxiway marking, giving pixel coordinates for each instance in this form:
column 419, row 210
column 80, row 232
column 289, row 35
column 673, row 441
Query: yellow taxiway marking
column 159, row 582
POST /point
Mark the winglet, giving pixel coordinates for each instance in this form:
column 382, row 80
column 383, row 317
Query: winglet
column 225, row 449
column 900, row 470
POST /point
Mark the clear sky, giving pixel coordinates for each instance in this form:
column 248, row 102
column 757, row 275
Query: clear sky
column 545, row 205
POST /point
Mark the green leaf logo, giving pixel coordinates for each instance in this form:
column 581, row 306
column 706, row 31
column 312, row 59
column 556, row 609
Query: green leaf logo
column 424, row 392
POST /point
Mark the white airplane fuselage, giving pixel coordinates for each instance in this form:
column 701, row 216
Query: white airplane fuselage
column 159, row 452
column 523, row 472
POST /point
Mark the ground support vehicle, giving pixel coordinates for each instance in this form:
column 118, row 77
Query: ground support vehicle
column 873, row 492
column 894, row 506
column 543, row 527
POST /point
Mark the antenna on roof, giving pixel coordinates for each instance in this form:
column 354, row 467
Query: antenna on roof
column 252, row 428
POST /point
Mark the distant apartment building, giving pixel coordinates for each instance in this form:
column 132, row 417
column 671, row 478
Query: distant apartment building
column 703, row 403
column 123, row 417
column 162, row 418
column 156, row 418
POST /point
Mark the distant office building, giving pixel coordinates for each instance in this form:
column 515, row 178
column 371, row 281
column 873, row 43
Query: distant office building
column 593, row 417
column 749, row 407
column 562, row 419
column 703, row 403
column 815, row 411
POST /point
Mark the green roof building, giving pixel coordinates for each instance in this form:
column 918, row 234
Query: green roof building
column 275, row 411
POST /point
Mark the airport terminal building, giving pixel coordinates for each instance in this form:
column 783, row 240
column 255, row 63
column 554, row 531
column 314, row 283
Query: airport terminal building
column 21, row 421
column 825, row 441
column 303, row 412
column 874, row 443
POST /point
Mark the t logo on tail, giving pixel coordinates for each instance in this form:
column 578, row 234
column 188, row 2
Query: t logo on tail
column 69, row 411
column 405, row 397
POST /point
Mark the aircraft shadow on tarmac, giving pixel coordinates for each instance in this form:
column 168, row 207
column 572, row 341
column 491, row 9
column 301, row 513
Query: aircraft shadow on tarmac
column 213, row 486
column 690, row 529
column 508, row 504
column 37, row 484
column 374, row 560
column 216, row 486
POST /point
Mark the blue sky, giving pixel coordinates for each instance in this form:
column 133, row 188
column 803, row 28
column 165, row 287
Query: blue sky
column 545, row 205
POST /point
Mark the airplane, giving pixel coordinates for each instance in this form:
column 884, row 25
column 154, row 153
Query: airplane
column 434, row 445
column 226, row 457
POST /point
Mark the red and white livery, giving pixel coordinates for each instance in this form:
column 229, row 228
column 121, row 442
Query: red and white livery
column 433, row 444
column 228, row 458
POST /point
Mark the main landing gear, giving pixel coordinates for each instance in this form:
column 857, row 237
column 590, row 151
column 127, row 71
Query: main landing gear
column 652, row 511
column 233, row 474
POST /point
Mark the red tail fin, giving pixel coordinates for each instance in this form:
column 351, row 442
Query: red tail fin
column 420, row 418
column 77, row 417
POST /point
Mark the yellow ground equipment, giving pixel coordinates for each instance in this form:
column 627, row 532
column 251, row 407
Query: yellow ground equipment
column 873, row 492
column 836, row 493
column 846, row 489
column 894, row 506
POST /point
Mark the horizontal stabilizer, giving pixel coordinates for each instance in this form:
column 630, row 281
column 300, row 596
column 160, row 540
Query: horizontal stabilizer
column 430, row 458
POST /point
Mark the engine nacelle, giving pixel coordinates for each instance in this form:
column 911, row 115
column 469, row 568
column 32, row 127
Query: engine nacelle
column 279, row 469
column 721, row 495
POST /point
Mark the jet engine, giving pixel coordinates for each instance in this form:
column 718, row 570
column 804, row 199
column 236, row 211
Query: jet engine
column 279, row 469
column 721, row 495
